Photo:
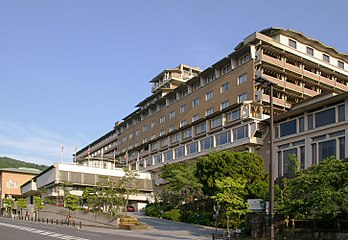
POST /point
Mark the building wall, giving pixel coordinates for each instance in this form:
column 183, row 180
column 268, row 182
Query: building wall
column 11, row 183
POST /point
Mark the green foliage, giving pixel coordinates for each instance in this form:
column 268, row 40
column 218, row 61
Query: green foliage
column 183, row 185
column 245, row 165
column 154, row 210
column 38, row 203
column 173, row 214
column 317, row 193
column 6, row 162
column 21, row 203
column 197, row 217
column 71, row 202
column 9, row 202
column 231, row 196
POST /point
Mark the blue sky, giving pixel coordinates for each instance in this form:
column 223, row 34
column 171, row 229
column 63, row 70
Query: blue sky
column 70, row 69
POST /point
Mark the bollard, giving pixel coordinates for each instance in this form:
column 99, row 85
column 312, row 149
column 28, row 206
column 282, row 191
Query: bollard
column 57, row 221
column 51, row 220
column 62, row 222
column 74, row 223
column 80, row 225
column 46, row 220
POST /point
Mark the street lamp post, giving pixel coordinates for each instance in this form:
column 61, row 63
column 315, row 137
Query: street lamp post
column 271, row 176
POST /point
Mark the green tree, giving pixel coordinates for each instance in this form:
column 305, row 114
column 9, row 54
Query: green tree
column 128, row 185
column 317, row 193
column 183, row 185
column 21, row 203
column 9, row 203
column 38, row 204
column 245, row 165
column 71, row 202
column 231, row 197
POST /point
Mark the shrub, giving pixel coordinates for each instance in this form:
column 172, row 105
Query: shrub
column 173, row 215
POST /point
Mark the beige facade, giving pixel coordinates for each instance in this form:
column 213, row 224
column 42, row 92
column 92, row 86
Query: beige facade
column 11, row 180
column 192, row 112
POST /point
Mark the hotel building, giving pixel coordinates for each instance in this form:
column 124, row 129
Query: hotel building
column 192, row 112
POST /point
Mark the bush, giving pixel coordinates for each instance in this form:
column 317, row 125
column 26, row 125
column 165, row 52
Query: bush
column 154, row 210
column 173, row 215
column 197, row 217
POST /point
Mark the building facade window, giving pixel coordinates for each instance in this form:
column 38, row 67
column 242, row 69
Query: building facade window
column 164, row 142
column 171, row 128
column 192, row 148
column 183, row 123
column 195, row 118
column 162, row 119
column 145, row 127
column 287, row 128
column 341, row 113
column 179, row 152
column 242, row 97
column 209, row 95
column 176, row 138
column 184, row 93
column 227, row 68
column 326, row 58
column 292, row 43
column 195, row 102
column 225, row 104
column 234, row 115
column 340, row 64
column 240, row 133
column 153, row 124
column 149, row 161
column 223, row 138
column 201, row 128
column 183, row 108
column 172, row 114
column 243, row 59
column 242, row 78
column 216, row 122
column 209, row 111
column 224, row 87
column 158, row 158
column 325, row 117
column 211, row 78
column 137, row 132
column 162, row 132
column 301, row 126
column 310, row 51
column 207, row 143
column 196, row 86
column 187, row 133
column 168, row 156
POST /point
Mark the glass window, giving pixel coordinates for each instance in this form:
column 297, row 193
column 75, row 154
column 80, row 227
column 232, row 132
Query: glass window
column 225, row 104
column 209, row 95
column 326, row 58
column 183, row 123
column 179, row 152
column 187, row 133
column 201, row 128
column 162, row 119
column 184, row 93
column 280, row 164
column 224, row 87
column 310, row 121
column 325, row 117
column 176, row 138
column 340, row 64
column 145, row 128
column 327, row 149
column 226, row 68
column 223, row 138
column 162, row 132
column 310, row 51
column 301, row 124
column 240, row 133
column 286, row 160
column 158, row 158
column 195, row 117
column 242, row 78
column 242, row 97
column 207, row 143
column 137, row 132
column 211, row 78
column 171, row 128
column 217, row 122
column 172, row 114
column 209, row 111
column 168, row 156
column 192, row 148
column 195, row 102
column 292, row 43
column 164, row 142
column 149, row 161
column 341, row 113
column 342, row 146
column 183, row 108
column 314, row 154
column 153, row 124
column 153, row 136
column 196, row 86
column 234, row 115
column 287, row 128
column 243, row 59
column 303, row 157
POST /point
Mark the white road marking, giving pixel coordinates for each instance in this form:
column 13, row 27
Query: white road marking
column 43, row 232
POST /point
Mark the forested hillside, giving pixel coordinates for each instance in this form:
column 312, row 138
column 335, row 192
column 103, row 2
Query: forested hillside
column 6, row 162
